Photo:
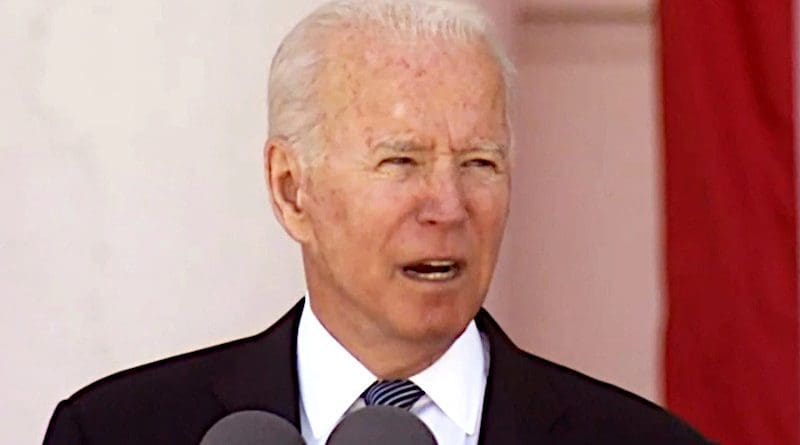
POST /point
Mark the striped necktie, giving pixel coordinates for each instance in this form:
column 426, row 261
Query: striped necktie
column 397, row 393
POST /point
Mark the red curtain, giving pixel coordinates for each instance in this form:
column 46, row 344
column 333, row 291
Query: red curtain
column 732, row 350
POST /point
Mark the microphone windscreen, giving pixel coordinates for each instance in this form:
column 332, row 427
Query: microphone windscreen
column 381, row 425
column 252, row 428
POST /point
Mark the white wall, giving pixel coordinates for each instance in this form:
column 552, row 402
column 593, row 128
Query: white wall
column 135, row 222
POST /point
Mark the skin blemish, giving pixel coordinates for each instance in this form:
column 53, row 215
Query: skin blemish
column 399, row 110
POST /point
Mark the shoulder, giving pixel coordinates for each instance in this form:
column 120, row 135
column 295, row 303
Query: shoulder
column 173, row 401
column 600, row 410
column 168, row 399
column 186, row 372
column 530, row 394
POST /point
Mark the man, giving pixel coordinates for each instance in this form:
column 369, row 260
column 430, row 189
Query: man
column 389, row 163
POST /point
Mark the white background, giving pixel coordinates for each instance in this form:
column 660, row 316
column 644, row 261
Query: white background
column 135, row 222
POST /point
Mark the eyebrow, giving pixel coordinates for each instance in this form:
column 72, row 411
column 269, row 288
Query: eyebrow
column 408, row 145
column 480, row 144
column 400, row 144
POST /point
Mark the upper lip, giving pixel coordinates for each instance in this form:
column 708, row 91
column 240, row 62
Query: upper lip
column 438, row 261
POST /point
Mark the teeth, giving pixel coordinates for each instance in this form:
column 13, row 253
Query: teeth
column 440, row 263
column 444, row 270
column 432, row 276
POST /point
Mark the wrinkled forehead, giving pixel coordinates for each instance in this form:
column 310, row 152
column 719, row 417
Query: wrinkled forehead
column 371, row 73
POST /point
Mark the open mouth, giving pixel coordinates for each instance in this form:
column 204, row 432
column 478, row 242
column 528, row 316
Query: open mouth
column 433, row 270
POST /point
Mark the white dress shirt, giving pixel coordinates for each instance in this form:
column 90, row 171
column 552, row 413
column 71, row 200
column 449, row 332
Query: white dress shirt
column 332, row 381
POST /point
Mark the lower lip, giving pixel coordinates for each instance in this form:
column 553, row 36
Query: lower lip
column 434, row 277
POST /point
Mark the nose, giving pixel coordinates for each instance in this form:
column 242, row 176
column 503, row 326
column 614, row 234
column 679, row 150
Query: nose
column 444, row 202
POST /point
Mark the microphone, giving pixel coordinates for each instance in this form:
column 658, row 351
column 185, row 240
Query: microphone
column 383, row 425
column 252, row 428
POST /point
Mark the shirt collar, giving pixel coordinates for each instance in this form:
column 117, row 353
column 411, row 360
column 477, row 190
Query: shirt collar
column 456, row 382
column 331, row 379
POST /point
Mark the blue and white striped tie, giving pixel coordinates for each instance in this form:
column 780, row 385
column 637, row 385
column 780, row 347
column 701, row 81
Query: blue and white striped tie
column 397, row 393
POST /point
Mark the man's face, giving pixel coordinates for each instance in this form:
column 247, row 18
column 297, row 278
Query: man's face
column 408, row 203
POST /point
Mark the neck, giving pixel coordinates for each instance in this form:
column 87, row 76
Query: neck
column 388, row 357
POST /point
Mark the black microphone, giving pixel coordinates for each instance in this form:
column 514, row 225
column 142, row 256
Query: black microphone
column 382, row 425
column 252, row 428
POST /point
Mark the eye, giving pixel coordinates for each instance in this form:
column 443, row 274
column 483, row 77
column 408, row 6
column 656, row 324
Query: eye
column 480, row 163
column 400, row 161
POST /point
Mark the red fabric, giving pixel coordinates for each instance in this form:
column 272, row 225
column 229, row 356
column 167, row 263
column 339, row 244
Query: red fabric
column 732, row 348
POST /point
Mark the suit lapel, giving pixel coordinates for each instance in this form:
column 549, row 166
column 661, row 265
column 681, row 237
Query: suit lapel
column 262, row 375
column 520, row 405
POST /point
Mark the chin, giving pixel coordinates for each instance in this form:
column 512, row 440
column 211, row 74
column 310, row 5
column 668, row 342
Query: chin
column 436, row 325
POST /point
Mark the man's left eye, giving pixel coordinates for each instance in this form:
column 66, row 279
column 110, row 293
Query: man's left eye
column 399, row 161
column 482, row 163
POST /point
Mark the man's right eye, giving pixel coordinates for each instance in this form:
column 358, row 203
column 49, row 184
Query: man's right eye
column 400, row 161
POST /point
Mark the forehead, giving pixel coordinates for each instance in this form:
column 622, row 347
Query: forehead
column 413, row 84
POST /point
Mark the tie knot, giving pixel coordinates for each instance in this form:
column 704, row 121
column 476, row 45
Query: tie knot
column 397, row 393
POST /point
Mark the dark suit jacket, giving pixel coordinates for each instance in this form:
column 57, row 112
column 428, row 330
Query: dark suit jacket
column 174, row 401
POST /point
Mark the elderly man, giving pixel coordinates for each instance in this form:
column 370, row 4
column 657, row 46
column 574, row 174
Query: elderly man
column 388, row 162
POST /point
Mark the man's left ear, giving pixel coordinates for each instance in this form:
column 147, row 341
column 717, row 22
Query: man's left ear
column 283, row 172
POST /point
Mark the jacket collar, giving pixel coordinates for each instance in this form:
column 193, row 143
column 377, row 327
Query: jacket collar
column 519, row 400
column 263, row 375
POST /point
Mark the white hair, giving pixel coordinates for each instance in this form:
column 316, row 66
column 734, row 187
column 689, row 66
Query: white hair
column 294, row 112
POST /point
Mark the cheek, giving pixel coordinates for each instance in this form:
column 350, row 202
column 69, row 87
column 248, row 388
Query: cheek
column 395, row 195
column 363, row 215
column 331, row 219
column 331, row 208
column 489, row 205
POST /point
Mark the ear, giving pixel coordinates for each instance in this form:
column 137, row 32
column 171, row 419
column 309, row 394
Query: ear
column 284, row 180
